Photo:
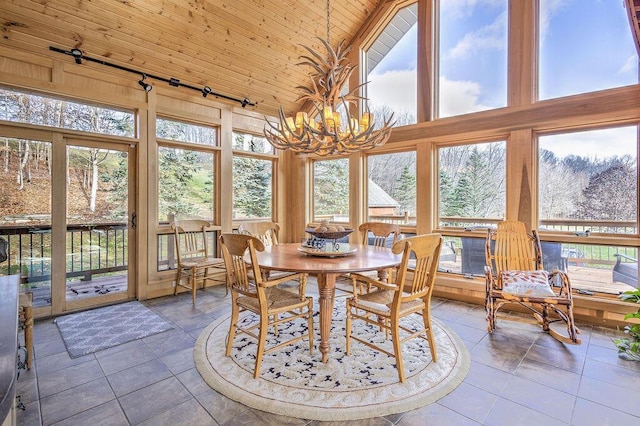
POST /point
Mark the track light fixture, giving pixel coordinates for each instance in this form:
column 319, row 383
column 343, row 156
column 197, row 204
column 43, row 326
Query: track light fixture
column 146, row 86
column 78, row 55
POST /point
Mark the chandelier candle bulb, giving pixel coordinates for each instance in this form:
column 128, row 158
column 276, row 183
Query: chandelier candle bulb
column 364, row 122
column 301, row 119
column 336, row 120
column 353, row 125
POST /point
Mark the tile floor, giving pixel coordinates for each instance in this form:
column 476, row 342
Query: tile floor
column 518, row 376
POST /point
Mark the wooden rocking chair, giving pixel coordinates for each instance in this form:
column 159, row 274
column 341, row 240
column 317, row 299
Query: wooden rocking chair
column 515, row 274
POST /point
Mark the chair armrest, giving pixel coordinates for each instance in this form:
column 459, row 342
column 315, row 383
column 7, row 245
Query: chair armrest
column 565, row 282
column 355, row 277
column 286, row 278
column 620, row 256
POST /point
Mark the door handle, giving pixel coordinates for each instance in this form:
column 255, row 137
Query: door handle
column 133, row 220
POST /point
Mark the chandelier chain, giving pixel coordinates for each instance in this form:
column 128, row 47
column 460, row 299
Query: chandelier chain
column 328, row 16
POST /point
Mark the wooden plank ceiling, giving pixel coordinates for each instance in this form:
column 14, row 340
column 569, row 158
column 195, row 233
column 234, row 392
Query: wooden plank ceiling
column 240, row 48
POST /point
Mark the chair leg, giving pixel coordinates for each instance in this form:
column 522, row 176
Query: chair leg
column 348, row 329
column 178, row 278
column 397, row 349
column 491, row 314
column 235, row 313
column 28, row 334
column 262, row 339
column 426, row 318
column 193, row 286
column 310, row 325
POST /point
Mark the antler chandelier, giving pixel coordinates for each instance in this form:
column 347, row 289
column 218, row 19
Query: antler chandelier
column 322, row 131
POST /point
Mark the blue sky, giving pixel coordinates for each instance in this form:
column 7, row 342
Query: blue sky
column 585, row 45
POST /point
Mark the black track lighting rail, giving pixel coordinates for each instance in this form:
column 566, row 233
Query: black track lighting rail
column 78, row 55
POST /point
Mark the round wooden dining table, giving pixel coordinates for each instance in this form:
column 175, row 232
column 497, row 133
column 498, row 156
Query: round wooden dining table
column 288, row 257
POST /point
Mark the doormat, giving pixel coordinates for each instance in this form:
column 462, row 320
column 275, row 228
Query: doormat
column 91, row 331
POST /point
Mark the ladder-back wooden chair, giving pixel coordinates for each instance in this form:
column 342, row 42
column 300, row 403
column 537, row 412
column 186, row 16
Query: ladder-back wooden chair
column 267, row 232
column 195, row 263
column 386, row 307
column 250, row 292
column 377, row 234
column 515, row 274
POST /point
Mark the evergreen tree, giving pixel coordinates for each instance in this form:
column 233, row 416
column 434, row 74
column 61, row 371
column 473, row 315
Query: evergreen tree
column 252, row 187
column 177, row 168
column 331, row 180
column 406, row 192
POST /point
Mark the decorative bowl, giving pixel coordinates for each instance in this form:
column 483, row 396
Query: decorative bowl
column 329, row 235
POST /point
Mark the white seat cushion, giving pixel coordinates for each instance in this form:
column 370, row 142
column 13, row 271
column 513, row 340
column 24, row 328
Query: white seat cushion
column 527, row 283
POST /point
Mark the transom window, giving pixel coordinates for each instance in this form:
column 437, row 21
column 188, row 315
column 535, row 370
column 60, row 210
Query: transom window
column 597, row 54
column 472, row 63
column 21, row 107
column 391, row 63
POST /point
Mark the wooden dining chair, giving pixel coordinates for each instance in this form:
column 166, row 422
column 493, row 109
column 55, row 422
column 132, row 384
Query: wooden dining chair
column 250, row 292
column 267, row 232
column 515, row 274
column 195, row 263
column 376, row 234
column 386, row 307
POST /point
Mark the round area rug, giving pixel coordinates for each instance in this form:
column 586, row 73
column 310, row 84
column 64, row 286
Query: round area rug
column 365, row 384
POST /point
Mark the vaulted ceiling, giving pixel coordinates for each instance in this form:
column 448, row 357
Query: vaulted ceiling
column 240, row 48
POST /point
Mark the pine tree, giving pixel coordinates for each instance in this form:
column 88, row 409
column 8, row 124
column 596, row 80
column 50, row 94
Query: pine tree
column 406, row 192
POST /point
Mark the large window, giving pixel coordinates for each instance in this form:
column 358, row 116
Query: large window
column 597, row 54
column 252, row 177
column 588, row 186
column 473, row 56
column 185, row 173
column 391, row 63
column 588, row 181
column 28, row 108
column 392, row 188
column 185, row 184
column 331, row 190
column 471, row 182
column 186, row 132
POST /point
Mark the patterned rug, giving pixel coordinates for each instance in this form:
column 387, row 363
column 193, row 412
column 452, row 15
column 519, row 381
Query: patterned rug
column 91, row 331
column 363, row 385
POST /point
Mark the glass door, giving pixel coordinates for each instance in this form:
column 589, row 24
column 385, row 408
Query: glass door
column 100, row 223
column 25, row 214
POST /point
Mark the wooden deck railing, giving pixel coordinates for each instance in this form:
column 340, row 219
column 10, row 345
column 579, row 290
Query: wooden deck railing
column 91, row 249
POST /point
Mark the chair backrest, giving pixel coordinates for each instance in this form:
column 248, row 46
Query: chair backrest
column 241, row 277
column 191, row 238
column 267, row 232
column 380, row 232
column 424, row 250
column 510, row 247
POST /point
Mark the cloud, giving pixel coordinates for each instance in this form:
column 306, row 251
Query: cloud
column 593, row 144
column 396, row 89
column 548, row 9
column 459, row 97
column 488, row 37
column 630, row 65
